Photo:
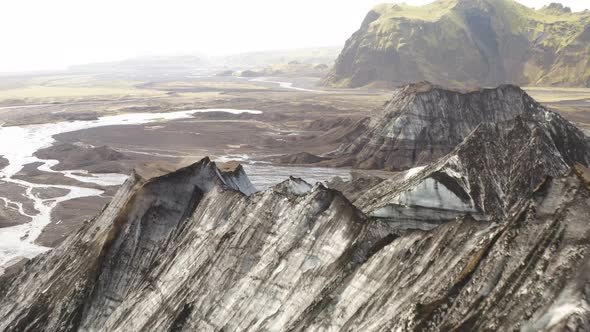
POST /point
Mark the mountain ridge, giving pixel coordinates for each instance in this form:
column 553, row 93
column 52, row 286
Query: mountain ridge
column 466, row 43
column 300, row 257
column 423, row 122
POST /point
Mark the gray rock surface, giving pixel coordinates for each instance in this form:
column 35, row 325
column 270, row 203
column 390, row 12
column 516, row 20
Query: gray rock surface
column 3, row 162
column 486, row 175
column 186, row 252
column 529, row 272
column 424, row 122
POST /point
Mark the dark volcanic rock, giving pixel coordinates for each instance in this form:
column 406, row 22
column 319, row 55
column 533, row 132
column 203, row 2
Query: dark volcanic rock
column 301, row 158
column 487, row 174
column 184, row 233
column 186, row 252
column 234, row 176
column 343, row 130
column 3, row 162
column 529, row 273
column 95, row 159
column 423, row 122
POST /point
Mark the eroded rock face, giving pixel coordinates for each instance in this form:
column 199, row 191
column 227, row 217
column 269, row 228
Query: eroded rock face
column 3, row 162
column 234, row 176
column 529, row 272
column 424, row 122
column 486, row 175
column 193, row 240
column 186, row 252
column 356, row 186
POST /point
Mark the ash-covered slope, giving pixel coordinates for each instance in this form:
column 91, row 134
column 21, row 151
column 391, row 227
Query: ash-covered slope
column 486, row 175
column 424, row 122
column 529, row 272
column 187, row 252
column 83, row 279
column 467, row 43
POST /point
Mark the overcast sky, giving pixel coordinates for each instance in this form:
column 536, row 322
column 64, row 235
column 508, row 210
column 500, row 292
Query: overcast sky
column 52, row 34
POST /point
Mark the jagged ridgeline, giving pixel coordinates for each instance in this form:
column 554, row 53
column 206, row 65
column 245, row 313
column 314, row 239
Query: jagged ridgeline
column 467, row 43
column 490, row 236
column 424, row 122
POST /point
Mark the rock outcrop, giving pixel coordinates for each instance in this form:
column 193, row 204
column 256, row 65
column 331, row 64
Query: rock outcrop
column 529, row 272
column 485, row 176
column 424, row 122
column 358, row 184
column 466, row 43
column 233, row 175
column 192, row 240
column 186, row 251
column 3, row 162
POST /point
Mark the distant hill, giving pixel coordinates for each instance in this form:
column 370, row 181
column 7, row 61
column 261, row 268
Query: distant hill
column 467, row 43
column 147, row 65
column 312, row 55
column 268, row 63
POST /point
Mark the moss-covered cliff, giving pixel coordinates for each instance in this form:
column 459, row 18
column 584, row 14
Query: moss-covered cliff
column 467, row 43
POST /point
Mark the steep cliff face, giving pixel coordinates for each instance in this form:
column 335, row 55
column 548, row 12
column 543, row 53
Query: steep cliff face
column 81, row 282
column 485, row 176
column 424, row 122
column 466, row 43
column 529, row 272
column 182, row 250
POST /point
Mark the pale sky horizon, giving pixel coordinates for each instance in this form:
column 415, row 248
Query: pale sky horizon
column 50, row 35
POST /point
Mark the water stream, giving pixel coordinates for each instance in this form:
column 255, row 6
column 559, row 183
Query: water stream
column 285, row 85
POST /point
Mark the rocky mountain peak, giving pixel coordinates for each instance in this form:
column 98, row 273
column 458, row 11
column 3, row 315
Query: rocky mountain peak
column 234, row 175
column 169, row 255
column 181, row 232
column 487, row 175
column 293, row 186
column 423, row 122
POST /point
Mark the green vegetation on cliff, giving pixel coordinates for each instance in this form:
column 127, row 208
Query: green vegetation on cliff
column 466, row 43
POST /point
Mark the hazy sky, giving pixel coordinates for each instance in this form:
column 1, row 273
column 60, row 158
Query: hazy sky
column 51, row 34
